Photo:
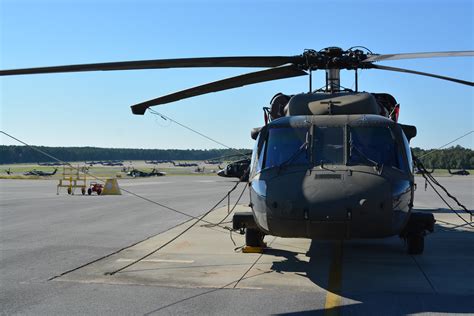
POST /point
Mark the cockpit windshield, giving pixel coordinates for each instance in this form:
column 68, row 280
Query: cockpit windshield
column 286, row 145
column 373, row 145
column 328, row 145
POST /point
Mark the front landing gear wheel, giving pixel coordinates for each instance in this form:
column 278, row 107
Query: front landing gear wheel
column 416, row 244
column 254, row 238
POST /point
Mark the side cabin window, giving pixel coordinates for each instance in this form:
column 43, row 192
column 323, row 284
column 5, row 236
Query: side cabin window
column 261, row 155
column 286, row 145
column 372, row 145
column 257, row 155
column 406, row 144
column 328, row 145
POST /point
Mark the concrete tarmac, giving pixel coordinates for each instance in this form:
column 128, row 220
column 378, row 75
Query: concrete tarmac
column 43, row 235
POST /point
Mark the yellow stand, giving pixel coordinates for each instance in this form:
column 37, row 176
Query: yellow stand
column 72, row 179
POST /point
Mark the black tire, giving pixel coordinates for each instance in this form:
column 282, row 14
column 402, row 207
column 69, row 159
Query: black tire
column 254, row 238
column 83, row 191
column 416, row 244
column 89, row 191
column 69, row 191
column 99, row 191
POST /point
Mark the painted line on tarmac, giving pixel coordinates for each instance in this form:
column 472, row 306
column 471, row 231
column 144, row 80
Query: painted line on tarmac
column 143, row 183
column 156, row 260
column 333, row 297
column 205, row 181
column 115, row 252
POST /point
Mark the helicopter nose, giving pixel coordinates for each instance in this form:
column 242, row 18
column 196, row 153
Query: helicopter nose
column 221, row 173
column 330, row 205
column 346, row 198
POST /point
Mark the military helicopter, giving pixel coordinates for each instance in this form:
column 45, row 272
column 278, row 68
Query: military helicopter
column 112, row 163
column 40, row 173
column 138, row 173
column 51, row 164
column 156, row 162
column 332, row 163
column 237, row 169
column 184, row 164
column 462, row 172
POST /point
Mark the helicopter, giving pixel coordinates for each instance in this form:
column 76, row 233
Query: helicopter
column 92, row 163
column 40, row 173
column 462, row 172
column 332, row 163
column 50, row 164
column 237, row 169
column 112, row 163
column 156, row 162
column 138, row 173
column 184, row 164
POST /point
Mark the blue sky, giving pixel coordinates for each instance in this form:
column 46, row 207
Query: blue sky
column 93, row 109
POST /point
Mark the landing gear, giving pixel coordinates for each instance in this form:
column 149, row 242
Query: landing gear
column 254, row 238
column 415, row 231
column 245, row 222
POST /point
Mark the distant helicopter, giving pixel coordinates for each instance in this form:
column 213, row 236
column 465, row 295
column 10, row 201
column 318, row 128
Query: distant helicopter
column 462, row 172
column 112, row 163
column 332, row 163
column 138, row 173
column 40, row 173
column 237, row 169
column 50, row 164
column 184, row 164
column 213, row 162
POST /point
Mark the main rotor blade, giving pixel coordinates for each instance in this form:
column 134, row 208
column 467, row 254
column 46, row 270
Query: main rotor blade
column 423, row 74
column 417, row 55
column 255, row 61
column 229, row 83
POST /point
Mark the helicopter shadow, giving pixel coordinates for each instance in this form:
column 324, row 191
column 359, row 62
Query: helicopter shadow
column 378, row 277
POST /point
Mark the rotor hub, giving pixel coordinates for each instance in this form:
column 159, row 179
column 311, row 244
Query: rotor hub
column 333, row 58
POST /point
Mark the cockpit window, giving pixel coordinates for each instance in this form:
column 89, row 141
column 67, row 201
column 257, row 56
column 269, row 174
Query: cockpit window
column 328, row 145
column 373, row 145
column 286, row 145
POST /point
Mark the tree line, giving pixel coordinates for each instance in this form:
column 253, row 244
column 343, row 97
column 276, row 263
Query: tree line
column 456, row 157
column 453, row 158
column 23, row 154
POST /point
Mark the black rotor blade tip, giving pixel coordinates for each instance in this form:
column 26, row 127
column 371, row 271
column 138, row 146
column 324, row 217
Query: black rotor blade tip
column 138, row 110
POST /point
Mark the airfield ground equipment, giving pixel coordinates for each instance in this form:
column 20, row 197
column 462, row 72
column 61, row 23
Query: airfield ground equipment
column 95, row 187
column 332, row 163
column 71, row 179
column 111, row 187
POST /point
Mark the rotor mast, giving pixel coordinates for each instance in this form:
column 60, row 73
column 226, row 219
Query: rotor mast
column 333, row 80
